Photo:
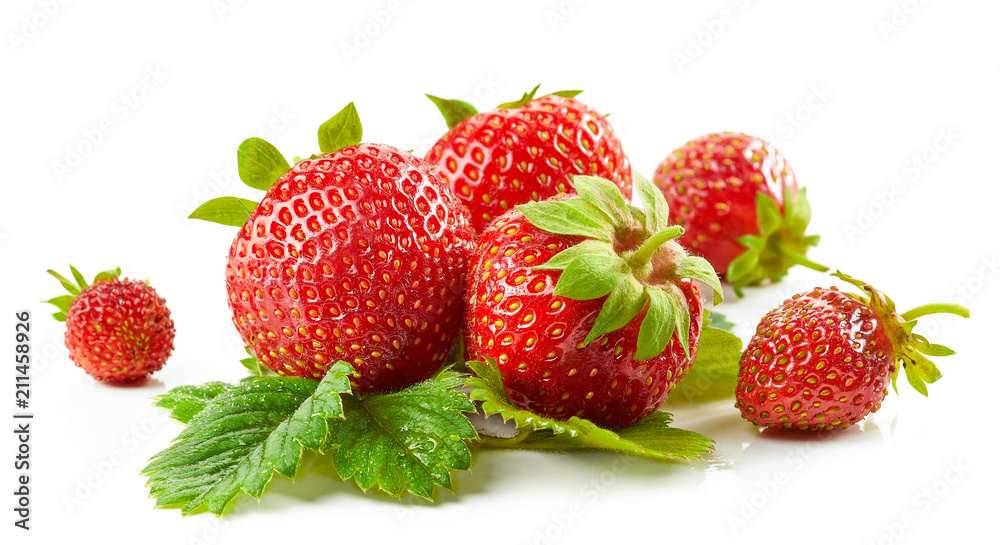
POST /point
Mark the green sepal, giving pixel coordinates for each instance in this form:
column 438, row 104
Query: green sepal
column 651, row 438
column 340, row 131
column 698, row 268
column 530, row 95
column 605, row 196
column 715, row 370
column 624, row 302
column 654, row 204
column 779, row 244
column 591, row 276
column 75, row 287
column 567, row 217
column 659, row 324
column 260, row 164
column 232, row 211
column 454, row 111
column 588, row 247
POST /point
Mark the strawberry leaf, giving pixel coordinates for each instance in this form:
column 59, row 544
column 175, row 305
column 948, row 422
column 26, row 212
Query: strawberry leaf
column 232, row 211
column 563, row 259
column 242, row 436
column 624, row 302
column 569, row 217
column 340, row 131
column 184, row 402
column 654, row 204
column 658, row 325
column 454, row 111
column 719, row 321
column 605, row 196
column 525, row 98
column 591, row 276
column 650, row 438
column 405, row 441
column 260, row 164
column 713, row 374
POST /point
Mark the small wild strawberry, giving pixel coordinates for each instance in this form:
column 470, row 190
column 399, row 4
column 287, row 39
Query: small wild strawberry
column 587, row 304
column 740, row 206
column 824, row 358
column 116, row 330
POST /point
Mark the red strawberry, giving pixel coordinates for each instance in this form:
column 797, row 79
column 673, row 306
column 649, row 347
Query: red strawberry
column 357, row 255
column 740, row 206
column 116, row 330
column 824, row 358
column 524, row 151
column 586, row 304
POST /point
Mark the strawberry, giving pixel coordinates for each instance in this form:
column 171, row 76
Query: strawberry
column 824, row 358
column 524, row 151
column 586, row 304
column 740, row 206
column 358, row 254
column 116, row 330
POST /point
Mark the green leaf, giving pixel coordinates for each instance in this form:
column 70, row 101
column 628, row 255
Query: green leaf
column 653, row 203
column 260, row 163
column 80, row 280
column 232, row 211
column 454, row 111
column 650, row 438
column 798, row 213
column 61, row 302
column 565, row 218
column 406, row 441
column 913, row 377
column 72, row 288
column 769, row 217
column 658, row 325
column 242, row 436
column 591, row 276
column 623, row 303
column 184, row 402
column 606, row 197
column 713, row 374
column 698, row 268
column 340, row 131
column 719, row 321
column 567, row 94
column 525, row 98
column 108, row 275
column 588, row 247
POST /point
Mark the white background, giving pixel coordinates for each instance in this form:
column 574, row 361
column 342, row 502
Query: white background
column 858, row 95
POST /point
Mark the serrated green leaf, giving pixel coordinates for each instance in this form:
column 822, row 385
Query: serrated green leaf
column 588, row 247
column 565, row 218
column 653, row 203
column 340, row 131
column 454, row 111
column 232, row 211
column 591, row 276
column 242, row 436
column 406, row 441
column 260, row 164
column 650, row 438
column 769, row 217
column 623, row 303
column 606, row 197
column 713, row 374
column 658, row 325
column 184, row 402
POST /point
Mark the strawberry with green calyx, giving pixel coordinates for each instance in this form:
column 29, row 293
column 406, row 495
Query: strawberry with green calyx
column 358, row 254
column 116, row 330
column 740, row 205
column 824, row 358
column 526, row 150
column 587, row 304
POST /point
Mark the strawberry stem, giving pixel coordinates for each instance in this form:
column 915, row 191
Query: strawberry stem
column 935, row 308
column 644, row 254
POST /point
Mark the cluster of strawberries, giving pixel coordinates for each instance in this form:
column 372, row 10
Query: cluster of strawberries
column 517, row 232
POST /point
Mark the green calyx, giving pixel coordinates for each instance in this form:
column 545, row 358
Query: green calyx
column 455, row 111
column 780, row 244
column 260, row 165
column 75, row 287
column 911, row 349
column 629, row 257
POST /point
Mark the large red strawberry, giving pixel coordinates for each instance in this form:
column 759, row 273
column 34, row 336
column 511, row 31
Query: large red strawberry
column 824, row 358
column 358, row 254
column 116, row 330
column 524, row 151
column 588, row 305
column 740, row 206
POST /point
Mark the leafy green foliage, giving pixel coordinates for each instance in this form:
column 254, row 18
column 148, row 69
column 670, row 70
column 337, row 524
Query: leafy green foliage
column 232, row 211
column 260, row 164
column 184, row 402
column 340, row 131
column 651, row 437
column 713, row 374
column 454, row 111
